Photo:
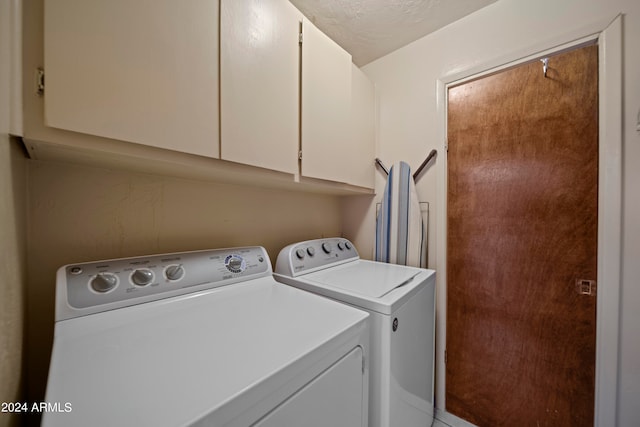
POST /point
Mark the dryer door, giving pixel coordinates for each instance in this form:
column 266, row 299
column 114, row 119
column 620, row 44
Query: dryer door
column 336, row 397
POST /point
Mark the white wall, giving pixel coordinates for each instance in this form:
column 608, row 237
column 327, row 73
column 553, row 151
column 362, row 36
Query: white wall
column 409, row 124
column 12, row 235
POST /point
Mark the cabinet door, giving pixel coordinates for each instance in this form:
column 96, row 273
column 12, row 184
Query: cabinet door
column 326, row 106
column 360, row 150
column 143, row 71
column 259, row 83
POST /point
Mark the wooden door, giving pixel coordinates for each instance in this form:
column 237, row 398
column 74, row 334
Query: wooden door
column 522, row 244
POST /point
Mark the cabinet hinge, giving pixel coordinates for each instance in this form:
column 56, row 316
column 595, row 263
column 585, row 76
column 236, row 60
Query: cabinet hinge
column 300, row 37
column 300, row 155
column 40, row 81
column 363, row 365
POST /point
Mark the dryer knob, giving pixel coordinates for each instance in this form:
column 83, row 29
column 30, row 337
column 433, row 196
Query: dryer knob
column 235, row 263
column 174, row 272
column 300, row 253
column 311, row 251
column 142, row 277
column 341, row 246
column 326, row 247
column 347, row 245
column 103, row 282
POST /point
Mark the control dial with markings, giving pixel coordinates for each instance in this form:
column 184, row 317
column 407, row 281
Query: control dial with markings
column 142, row 277
column 326, row 247
column 174, row 272
column 104, row 282
column 235, row 263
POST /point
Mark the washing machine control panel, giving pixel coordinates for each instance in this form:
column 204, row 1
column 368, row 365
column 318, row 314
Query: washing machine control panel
column 312, row 255
column 100, row 283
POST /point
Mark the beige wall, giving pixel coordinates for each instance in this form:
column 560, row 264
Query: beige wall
column 409, row 123
column 12, row 236
column 12, row 271
column 77, row 213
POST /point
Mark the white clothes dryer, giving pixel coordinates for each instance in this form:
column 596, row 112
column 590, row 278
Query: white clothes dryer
column 401, row 303
column 205, row 338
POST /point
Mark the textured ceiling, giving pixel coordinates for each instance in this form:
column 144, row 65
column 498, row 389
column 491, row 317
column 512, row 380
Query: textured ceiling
column 369, row 29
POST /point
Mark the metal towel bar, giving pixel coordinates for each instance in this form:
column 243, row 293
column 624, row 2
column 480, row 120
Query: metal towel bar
column 431, row 155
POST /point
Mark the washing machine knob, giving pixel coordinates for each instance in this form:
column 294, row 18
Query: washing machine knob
column 104, row 282
column 311, row 251
column 142, row 277
column 341, row 246
column 300, row 253
column 347, row 245
column 174, row 272
column 326, row 247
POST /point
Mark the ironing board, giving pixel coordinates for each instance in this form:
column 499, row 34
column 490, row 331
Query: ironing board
column 400, row 231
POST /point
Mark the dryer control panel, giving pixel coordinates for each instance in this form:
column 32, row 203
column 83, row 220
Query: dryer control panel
column 91, row 287
column 312, row 255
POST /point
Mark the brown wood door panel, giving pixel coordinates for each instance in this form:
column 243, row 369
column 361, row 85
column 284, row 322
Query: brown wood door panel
column 521, row 229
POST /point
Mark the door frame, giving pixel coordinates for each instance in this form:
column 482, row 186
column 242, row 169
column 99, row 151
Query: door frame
column 608, row 36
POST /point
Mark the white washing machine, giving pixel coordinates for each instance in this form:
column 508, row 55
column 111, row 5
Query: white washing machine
column 401, row 302
column 204, row 338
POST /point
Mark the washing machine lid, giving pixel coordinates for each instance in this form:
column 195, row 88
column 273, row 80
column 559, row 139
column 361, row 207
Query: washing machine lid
column 369, row 285
column 217, row 357
column 369, row 279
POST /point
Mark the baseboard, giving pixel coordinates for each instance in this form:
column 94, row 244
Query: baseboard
column 451, row 420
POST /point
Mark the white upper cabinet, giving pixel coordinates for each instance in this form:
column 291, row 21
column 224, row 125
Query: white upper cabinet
column 326, row 106
column 259, row 83
column 361, row 150
column 250, row 82
column 143, row 71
